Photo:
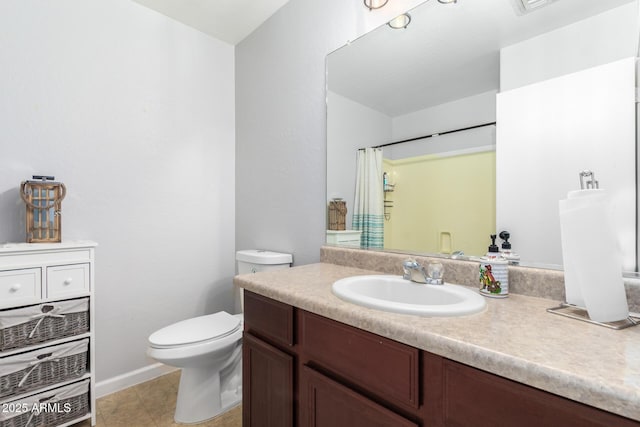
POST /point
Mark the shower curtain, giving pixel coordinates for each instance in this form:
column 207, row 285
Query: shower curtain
column 368, row 213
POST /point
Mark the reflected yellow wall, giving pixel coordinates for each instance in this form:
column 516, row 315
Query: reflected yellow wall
column 435, row 195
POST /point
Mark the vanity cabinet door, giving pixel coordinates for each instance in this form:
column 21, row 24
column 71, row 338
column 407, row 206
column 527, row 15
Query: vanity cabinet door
column 267, row 384
column 457, row 395
column 326, row 403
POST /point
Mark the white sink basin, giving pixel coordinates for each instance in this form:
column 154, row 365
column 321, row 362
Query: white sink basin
column 393, row 293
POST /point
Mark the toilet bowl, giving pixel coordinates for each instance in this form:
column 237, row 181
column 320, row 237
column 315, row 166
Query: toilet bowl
column 209, row 351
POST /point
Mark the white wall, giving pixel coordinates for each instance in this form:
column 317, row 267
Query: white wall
column 453, row 144
column 595, row 41
column 461, row 113
column 551, row 131
column 350, row 126
column 598, row 40
column 281, row 121
column 135, row 114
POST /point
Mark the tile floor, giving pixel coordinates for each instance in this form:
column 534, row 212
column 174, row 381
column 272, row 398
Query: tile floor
column 151, row 404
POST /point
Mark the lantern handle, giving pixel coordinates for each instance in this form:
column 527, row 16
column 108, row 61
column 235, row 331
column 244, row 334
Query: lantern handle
column 56, row 203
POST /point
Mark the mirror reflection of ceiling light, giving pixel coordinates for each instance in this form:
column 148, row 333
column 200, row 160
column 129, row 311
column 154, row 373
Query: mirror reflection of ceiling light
column 400, row 22
column 375, row 4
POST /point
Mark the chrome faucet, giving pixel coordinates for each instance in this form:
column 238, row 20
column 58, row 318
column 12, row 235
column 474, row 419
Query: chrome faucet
column 414, row 271
column 417, row 273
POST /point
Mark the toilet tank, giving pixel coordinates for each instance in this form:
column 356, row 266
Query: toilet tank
column 256, row 260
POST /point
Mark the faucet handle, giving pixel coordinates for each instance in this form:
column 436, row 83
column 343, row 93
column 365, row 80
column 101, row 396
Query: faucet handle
column 435, row 271
column 410, row 263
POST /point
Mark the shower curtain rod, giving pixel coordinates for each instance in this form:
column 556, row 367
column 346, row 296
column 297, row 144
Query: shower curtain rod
column 433, row 134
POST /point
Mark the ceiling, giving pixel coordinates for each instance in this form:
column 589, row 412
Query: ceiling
column 447, row 52
column 227, row 20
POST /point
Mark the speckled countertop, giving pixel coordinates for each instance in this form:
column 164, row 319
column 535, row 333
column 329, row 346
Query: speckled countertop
column 514, row 337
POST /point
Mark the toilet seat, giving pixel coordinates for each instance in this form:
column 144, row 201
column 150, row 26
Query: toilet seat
column 198, row 330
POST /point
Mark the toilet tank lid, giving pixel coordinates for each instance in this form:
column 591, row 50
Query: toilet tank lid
column 259, row 256
column 197, row 329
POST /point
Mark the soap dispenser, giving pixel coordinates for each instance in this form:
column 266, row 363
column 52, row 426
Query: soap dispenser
column 494, row 272
column 493, row 250
column 505, row 249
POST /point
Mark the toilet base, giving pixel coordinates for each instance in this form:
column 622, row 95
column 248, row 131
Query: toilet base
column 203, row 394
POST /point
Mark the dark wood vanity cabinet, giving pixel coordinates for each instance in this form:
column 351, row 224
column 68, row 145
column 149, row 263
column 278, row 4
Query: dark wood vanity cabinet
column 267, row 385
column 301, row 369
column 460, row 396
column 349, row 377
column 327, row 403
column 268, row 363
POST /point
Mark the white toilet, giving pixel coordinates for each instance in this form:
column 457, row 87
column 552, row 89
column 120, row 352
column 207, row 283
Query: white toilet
column 209, row 350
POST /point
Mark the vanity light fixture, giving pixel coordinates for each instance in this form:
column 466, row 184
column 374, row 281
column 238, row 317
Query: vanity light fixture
column 400, row 22
column 375, row 4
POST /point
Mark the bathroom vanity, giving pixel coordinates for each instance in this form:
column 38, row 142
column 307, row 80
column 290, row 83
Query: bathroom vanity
column 313, row 359
column 46, row 334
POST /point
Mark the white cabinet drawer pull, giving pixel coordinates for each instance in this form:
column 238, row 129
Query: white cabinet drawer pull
column 67, row 281
column 15, row 287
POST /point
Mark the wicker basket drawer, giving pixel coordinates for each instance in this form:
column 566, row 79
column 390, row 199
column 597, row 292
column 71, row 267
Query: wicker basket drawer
column 50, row 408
column 22, row 327
column 36, row 369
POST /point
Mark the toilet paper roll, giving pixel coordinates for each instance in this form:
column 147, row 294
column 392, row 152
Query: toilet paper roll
column 591, row 256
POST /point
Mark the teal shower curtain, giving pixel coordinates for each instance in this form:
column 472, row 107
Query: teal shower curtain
column 368, row 214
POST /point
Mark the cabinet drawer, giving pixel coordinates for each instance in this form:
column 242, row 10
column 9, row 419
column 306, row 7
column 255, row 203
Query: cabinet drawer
column 268, row 319
column 32, row 370
column 67, row 280
column 384, row 367
column 62, row 405
column 18, row 287
column 27, row 326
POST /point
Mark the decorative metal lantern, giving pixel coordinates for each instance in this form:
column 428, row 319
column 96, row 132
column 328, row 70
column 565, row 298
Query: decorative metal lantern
column 43, row 197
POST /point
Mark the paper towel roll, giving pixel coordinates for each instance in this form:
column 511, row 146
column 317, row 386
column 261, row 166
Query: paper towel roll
column 591, row 256
column 571, row 284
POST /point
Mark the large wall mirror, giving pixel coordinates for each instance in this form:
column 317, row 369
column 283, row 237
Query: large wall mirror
column 485, row 112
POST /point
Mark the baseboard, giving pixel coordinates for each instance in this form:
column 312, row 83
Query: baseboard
column 132, row 378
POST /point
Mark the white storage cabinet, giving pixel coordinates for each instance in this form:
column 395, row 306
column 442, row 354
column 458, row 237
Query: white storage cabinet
column 349, row 238
column 47, row 348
